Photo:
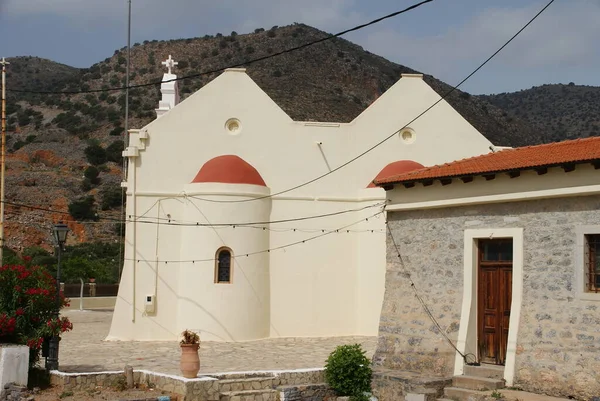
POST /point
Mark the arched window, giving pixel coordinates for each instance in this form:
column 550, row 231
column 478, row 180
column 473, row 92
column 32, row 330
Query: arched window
column 223, row 265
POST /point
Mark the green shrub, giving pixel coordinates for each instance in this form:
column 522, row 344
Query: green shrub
column 83, row 209
column 111, row 197
column 348, row 371
column 114, row 151
column 95, row 154
column 86, row 185
column 18, row 145
column 116, row 131
column 28, row 305
column 39, row 256
column 92, row 173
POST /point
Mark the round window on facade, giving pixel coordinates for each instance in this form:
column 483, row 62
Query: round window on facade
column 407, row 135
column 233, row 126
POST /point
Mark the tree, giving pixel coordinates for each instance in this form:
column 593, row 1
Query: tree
column 83, row 209
column 92, row 173
column 95, row 154
column 111, row 197
column 114, row 151
column 40, row 257
column 97, row 260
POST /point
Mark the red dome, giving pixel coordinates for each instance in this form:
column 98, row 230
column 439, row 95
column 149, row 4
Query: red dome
column 396, row 168
column 229, row 169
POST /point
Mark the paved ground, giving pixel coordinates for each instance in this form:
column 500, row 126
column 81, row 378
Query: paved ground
column 83, row 350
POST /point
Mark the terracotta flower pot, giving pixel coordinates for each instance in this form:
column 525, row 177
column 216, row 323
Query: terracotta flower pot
column 190, row 360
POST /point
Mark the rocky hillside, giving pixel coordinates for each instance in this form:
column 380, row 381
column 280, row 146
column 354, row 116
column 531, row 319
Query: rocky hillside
column 64, row 149
column 558, row 111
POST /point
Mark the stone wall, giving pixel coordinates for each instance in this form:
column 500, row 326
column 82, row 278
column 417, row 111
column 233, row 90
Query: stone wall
column 396, row 385
column 302, row 384
column 558, row 347
column 309, row 392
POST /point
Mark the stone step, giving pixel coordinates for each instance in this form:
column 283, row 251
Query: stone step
column 249, row 395
column 444, row 399
column 477, row 383
column 463, row 394
column 488, row 371
column 251, row 383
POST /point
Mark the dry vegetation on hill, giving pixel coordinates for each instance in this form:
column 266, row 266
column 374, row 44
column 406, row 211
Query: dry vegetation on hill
column 65, row 148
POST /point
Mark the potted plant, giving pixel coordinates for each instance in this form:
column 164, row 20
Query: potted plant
column 190, row 360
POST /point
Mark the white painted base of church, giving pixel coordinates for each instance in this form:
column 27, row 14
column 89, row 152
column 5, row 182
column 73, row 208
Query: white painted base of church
column 240, row 253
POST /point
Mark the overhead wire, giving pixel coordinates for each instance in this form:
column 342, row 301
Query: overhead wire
column 252, row 61
column 247, row 254
column 443, row 97
column 420, row 298
column 197, row 224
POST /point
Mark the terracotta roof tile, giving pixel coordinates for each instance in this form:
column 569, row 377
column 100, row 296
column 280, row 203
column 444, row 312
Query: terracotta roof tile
column 551, row 154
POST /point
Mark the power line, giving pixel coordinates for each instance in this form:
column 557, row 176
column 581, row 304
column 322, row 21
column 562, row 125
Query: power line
column 193, row 261
column 393, row 134
column 15, row 214
column 252, row 61
column 419, row 298
column 198, row 224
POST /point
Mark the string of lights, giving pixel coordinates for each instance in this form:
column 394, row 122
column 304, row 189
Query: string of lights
column 248, row 254
column 42, row 219
column 248, row 62
column 166, row 221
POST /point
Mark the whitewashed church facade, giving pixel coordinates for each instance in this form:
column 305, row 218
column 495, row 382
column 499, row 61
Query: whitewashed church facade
column 239, row 255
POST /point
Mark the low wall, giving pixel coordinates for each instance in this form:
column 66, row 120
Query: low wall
column 93, row 303
column 308, row 382
column 308, row 392
column 389, row 385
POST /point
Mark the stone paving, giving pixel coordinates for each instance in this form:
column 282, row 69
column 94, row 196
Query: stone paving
column 84, row 350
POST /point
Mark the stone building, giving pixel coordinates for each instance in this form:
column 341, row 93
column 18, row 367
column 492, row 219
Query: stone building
column 504, row 251
column 241, row 252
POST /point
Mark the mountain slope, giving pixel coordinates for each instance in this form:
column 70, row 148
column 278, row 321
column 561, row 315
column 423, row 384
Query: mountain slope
column 558, row 111
column 53, row 138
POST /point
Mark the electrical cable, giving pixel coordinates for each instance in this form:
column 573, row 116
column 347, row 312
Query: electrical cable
column 198, row 224
column 395, row 132
column 420, row 299
column 247, row 254
column 252, row 61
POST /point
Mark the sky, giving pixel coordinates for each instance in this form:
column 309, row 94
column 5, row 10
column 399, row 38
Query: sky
column 445, row 38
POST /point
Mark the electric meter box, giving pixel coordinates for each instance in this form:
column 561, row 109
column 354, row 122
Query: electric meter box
column 150, row 304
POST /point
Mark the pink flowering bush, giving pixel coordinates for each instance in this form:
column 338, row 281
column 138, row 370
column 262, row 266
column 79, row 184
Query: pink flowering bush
column 28, row 307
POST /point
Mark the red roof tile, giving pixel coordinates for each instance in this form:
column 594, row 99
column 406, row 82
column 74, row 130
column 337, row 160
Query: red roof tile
column 396, row 168
column 551, row 154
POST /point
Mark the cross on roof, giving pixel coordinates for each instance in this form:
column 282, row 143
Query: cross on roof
column 169, row 63
column 4, row 62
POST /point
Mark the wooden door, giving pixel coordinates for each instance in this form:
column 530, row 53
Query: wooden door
column 494, row 299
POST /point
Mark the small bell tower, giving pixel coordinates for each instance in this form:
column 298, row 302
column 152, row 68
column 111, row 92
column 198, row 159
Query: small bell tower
column 168, row 88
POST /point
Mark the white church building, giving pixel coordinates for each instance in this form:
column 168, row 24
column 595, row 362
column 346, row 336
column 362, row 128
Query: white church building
column 224, row 238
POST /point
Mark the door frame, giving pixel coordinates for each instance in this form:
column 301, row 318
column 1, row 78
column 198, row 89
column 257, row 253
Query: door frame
column 467, row 333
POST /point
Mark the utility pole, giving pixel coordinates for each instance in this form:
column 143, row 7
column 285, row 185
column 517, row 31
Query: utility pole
column 127, row 83
column 3, row 158
column 125, row 139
